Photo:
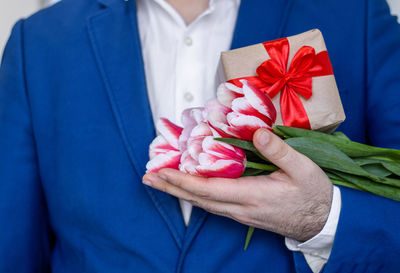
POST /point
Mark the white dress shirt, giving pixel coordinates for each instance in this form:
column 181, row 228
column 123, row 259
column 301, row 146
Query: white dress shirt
column 180, row 65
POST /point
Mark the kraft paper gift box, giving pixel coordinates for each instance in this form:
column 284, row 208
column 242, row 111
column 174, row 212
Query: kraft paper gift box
column 297, row 75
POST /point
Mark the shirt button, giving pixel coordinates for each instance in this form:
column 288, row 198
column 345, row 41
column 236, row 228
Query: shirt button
column 188, row 41
column 188, row 96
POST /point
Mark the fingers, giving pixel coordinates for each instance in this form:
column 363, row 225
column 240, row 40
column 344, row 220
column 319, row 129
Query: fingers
column 218, row 189
column 280, row 153
column 154, row 180
column 221, row 208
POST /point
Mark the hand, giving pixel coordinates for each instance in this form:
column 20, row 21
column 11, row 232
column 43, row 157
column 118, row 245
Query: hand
column 294, row 201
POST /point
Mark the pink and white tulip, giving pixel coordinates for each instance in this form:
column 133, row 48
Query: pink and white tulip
column 202, row 154
column 164, row 150
column 219, row 159
column 239, row 112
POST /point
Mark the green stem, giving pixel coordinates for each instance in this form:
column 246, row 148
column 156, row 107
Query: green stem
column 248, row 237
column 260, row 166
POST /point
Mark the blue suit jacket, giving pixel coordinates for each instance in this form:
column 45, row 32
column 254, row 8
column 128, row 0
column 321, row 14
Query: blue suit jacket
column 75, row 126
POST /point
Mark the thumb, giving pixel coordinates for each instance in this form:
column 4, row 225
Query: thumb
column 279, row 153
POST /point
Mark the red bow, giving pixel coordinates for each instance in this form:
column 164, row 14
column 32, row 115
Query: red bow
column 274, row 77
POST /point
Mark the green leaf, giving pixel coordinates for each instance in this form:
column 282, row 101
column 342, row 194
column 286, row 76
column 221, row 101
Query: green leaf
column 337, row 180
column 395, row 182
column 341, row 135
column 259, row 166
column 365, row 161
column 252, row 172
column 389, row 164
column 379, row 158
column 251, row 156
column 327, row 156
column 346, row 184
column 350, row 148
column 279, row 133
column 297, row 132
column 369, row 186
column 377, row 169
column 332, row 175
column 246, row 145
column 393, row 167
column 250, row 232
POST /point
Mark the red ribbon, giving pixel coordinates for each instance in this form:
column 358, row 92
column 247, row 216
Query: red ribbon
column 274, row 77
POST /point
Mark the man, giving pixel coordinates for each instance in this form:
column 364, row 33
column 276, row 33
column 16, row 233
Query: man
column 80, row 86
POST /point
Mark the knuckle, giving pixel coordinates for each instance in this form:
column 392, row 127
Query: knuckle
column 239, row 217
column 163, row 187
column 201, row 190
column 203, row 194
column 194, row 202
column 178, row 182
column 242, row 219
column 224, row 212
column 255, row 200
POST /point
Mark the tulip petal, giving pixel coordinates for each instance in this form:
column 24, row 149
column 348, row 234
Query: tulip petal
column 196, row 138
column 194, row 147
column 222, row 168
column 206, row 159
column 197, row 114
column 160, row 145
column 219, row 124
column 215, row 132
column 242, row 106
column 169, row 159
column 227, row 92
column 259, row 100
column 188, row 164
column 190, row 119
column 245, row 126
column 192, row 116
column 184, row 137
column 200, row 131
column 215, row 112
column 169, row 131
column 222, row 150
column 215, row 105
column 187, row 118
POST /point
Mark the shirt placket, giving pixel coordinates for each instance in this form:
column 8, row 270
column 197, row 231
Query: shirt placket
column 192, row 48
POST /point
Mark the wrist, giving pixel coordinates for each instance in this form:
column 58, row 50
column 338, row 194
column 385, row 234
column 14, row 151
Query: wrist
column 314, row 217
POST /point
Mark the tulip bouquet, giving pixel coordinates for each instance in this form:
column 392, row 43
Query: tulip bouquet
column 215, row 141
column 196, row 149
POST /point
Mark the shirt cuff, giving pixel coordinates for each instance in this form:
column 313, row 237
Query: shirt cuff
column 318, row 249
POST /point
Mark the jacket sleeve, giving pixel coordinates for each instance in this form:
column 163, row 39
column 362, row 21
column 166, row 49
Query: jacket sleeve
column 24, row 236
column 368, row 234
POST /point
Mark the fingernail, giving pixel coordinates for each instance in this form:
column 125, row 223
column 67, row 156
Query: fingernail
column 263, row 137
column 147, row 182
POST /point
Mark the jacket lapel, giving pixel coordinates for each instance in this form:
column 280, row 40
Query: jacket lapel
column 115, row 41
column 258, row 21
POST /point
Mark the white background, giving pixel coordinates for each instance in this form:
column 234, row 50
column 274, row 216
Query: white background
column 395, row 5
column 12, row 10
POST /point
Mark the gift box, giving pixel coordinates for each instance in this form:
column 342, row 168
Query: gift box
column 297, row 75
